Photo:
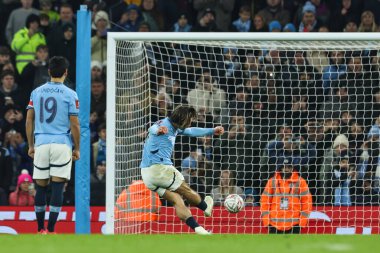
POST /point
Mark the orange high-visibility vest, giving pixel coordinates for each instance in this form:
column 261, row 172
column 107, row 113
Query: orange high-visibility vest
column 286, row 203
column 137, row 203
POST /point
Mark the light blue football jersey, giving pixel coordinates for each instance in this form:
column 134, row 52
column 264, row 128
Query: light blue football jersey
column 53, row 104
column 158, row 149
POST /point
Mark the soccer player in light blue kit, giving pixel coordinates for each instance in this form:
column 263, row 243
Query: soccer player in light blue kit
column 158, row 172
column 51, row 121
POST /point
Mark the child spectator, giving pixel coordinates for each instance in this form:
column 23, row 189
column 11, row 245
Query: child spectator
column 182, row 24
column 130, row 20
column 274, row 26
column 24, row 193
column 289, row 27
column 99, row 147
column 243, row 23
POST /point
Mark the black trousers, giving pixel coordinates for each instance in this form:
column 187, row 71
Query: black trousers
column 293, row 230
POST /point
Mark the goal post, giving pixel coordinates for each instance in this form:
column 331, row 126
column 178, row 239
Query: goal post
column 268, row 90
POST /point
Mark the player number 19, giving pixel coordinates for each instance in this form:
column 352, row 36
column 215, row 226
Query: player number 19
column 50, row 106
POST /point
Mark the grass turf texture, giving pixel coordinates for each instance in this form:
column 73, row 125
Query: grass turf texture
column 189, row 243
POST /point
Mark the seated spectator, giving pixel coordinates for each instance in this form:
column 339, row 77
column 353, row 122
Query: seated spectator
column 99, row 147
column 222, row 11
column 350, row 27
column 337, row 67
column 98, row 184
column 24, row 193
column 96, row 70
column 36, row 73
column 289, row 27
column 99, row 40
column 13, row 119
column 26, row 40
column 9, row 90
column 274, row 11
column 251, row 197
column 144, row 27
column 98, row 97
column 94, row 124
column 368, row 23
column 6, row 175
column 309, row 21
column 182, row 24
column 206, row 22
column 226, row 187
column 259, row 24
column 343, row 175
column 5, row 56
column 46, row 8
column 152, row 15
column 18, row 149
column 45, row 25
column 244, row 22
column 274, row 26
column 346, row 13
column 130, row 20
column 365, row 193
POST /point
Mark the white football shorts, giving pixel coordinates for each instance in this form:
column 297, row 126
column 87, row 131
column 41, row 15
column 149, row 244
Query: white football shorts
column 52, row 160
column 160, row 177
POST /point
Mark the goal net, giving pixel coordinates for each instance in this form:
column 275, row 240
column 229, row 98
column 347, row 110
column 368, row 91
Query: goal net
column 313, row 99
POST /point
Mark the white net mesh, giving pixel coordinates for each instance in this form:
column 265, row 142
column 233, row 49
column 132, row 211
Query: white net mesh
column 314, row 102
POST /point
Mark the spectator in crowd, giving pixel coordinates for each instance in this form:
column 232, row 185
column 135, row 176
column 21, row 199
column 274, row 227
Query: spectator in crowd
column 98, row 97
column 18, row 149
column 94, row 124
column 46, row 8
column 346, row 13
column 17, row 19
column 221, row 11
column 332, row 159
column 35, row 73
column 350, row 27
column 227, row 185
column 98, row 184
column 6, row 175
column 9, row 91
column 207, row 22
column 368, row 22
column 275, row 26
column 96, row 70
column 229, row 70
column 286, row 202
column 374, row 6
column 289, row 27
column 45, row 25
column 334, row 70
column 207, row 95
column 365, row 193
column 309, row 21
column 152, row 15
column 342, row 176
column 24, row 193
column 259, row 24
column 66, row 16
column 13, row 119
column 5, row 56
column 182, row 24
column 99, row 40
column 274, row 11
column 244, row 22
column 65, row 45
column 355, row 135
column 162, row 106
column 250, row 197
column 130, row 20
column 99, row 147
column 26, row 41
column 189, row 164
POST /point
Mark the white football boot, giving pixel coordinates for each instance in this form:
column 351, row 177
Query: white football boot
column 201, row 231
column 210, row 205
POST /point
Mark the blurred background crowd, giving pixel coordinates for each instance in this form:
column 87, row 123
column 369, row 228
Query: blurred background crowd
column 318, row 108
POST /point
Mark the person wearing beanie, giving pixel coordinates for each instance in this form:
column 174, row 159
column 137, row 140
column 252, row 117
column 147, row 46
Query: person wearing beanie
column 289, row 27
column 274, row 26
column 309, row 20
column 24, row 193
column 26, row 41
column 275, row 11
column 286, row 202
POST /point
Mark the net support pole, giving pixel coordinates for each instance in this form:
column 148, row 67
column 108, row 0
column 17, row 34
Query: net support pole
column 111, row 128
column 83, row 87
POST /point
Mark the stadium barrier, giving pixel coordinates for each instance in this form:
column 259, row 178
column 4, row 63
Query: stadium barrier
column 323, row 220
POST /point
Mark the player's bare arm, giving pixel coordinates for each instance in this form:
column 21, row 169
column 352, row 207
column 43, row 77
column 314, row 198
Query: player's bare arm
column 30, row 131
column 75, row 131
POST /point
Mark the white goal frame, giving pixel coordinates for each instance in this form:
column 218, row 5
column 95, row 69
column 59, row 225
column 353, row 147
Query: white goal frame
column 113, row 37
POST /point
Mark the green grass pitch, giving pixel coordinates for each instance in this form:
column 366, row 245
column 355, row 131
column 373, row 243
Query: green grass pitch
column 189, row 243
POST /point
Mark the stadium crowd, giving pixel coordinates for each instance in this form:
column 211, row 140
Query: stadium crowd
column 319, row 109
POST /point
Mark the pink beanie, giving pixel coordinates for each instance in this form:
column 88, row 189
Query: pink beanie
column 24, row 178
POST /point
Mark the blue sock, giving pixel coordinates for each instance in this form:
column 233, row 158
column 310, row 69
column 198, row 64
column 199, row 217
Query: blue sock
column 55, row 203
column 191, row 222
column 202, row 205
column 40, row 205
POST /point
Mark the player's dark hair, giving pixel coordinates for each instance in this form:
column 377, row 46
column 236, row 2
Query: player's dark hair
column 58, row 66
column 182, row 114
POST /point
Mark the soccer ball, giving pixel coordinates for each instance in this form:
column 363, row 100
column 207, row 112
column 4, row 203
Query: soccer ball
column 234, row 203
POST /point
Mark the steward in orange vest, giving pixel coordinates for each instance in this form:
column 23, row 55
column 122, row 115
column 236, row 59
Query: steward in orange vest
column 137, row 203
column 286, row 202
